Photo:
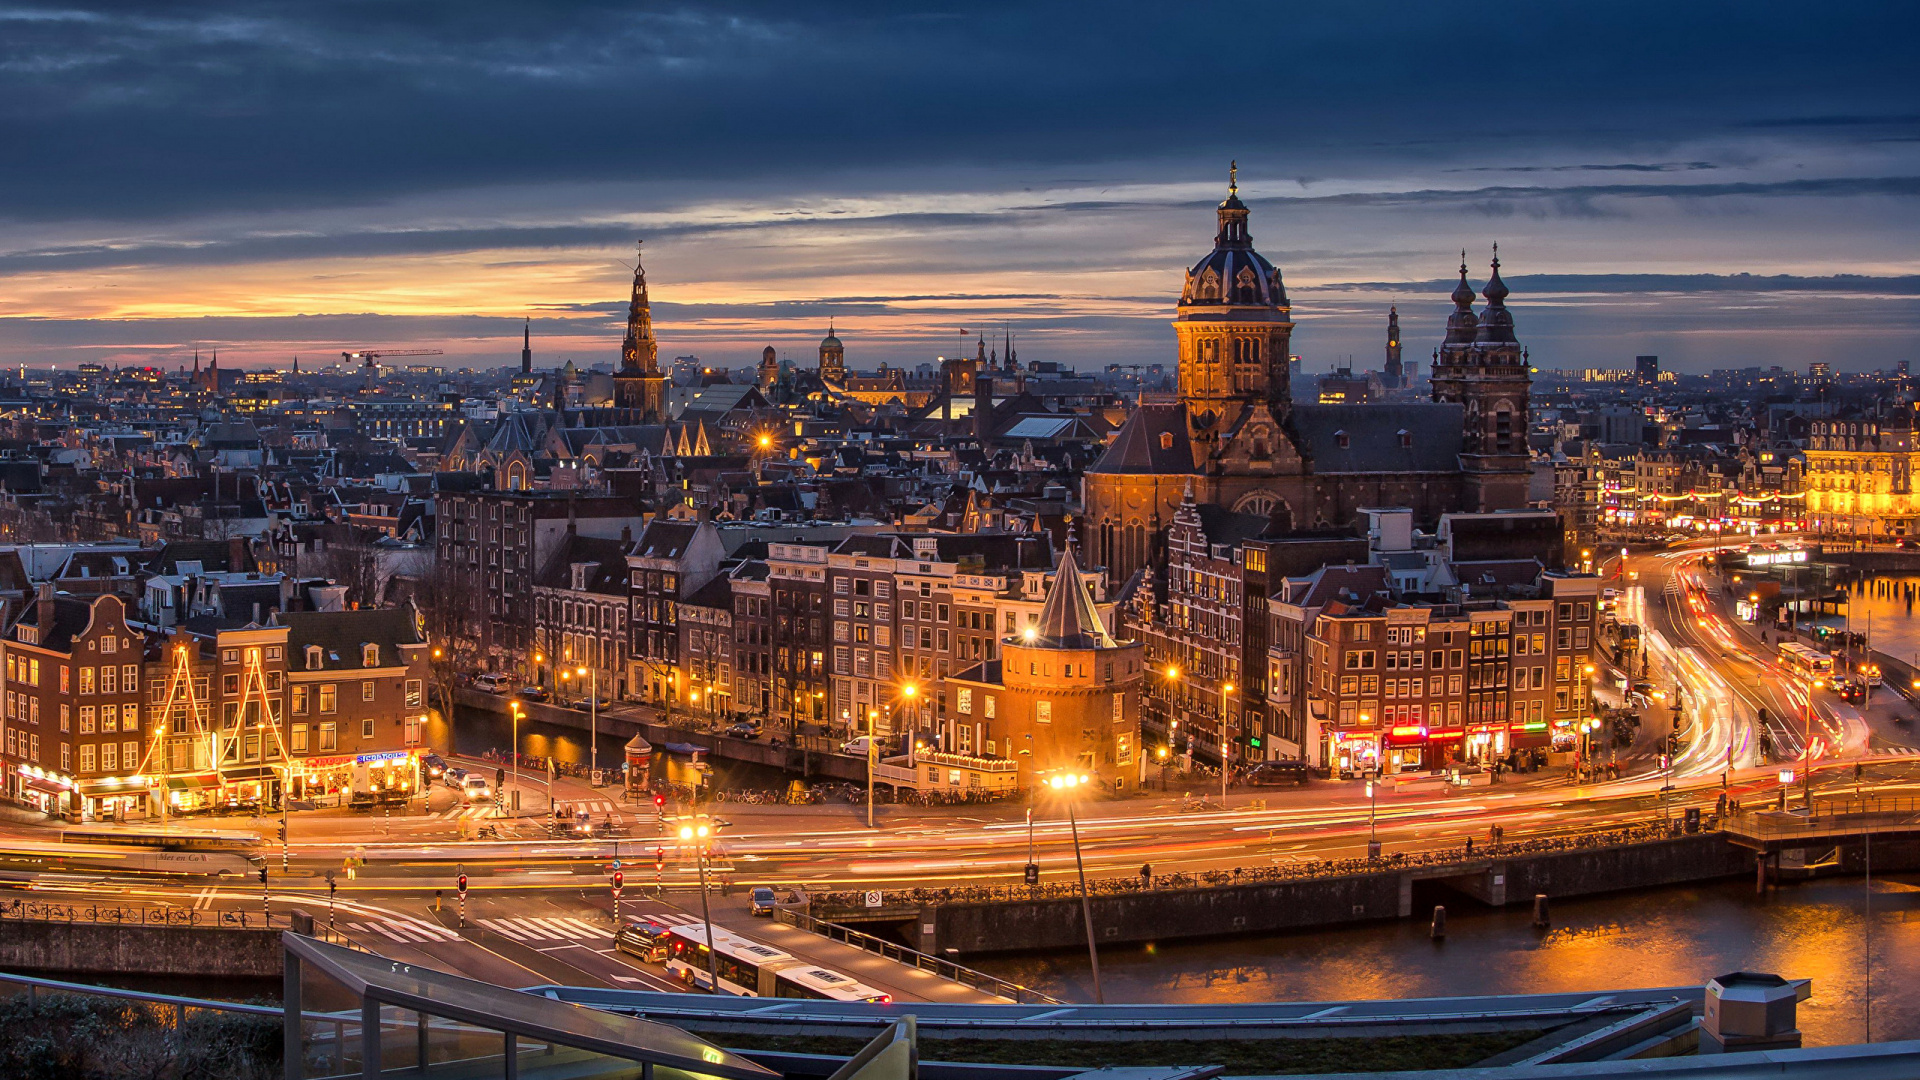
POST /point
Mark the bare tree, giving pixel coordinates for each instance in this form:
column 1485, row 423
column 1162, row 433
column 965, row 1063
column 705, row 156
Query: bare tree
column 355, row 564
column 448, row 605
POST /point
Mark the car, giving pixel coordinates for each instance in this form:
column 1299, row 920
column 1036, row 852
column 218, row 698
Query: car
column 744, row 730
column 455, row 776
column 533, row 693
column 435, row 765
column 1910, row 545
column 858, row 747
column 477, row 789
column 588, row 701
column 760, row 901
column 645, row 939
column 493, row 682
column 1276, row 773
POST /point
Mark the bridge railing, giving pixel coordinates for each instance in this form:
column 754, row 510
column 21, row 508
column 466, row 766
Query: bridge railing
column 946, row 969
column 1467, row 855
column 139, row 915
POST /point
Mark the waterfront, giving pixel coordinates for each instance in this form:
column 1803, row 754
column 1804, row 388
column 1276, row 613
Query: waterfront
column 1667, row 937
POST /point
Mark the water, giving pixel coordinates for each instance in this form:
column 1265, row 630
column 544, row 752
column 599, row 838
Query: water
column 1668, row 937
column 1895, row 630
column 477, row 731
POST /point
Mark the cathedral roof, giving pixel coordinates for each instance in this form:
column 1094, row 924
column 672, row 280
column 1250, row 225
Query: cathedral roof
column 1496, row 322
column 1153, row 441
column 1233, row 274
column 1403, row 437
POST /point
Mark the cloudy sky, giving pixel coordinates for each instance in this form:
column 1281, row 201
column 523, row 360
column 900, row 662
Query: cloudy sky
column 1719, row 183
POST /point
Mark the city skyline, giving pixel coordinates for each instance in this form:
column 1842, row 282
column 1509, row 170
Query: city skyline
column 1733, row 190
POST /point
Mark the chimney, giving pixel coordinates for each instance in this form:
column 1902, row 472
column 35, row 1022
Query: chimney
column 45, row 594
column 626, row 536
column 236, row 553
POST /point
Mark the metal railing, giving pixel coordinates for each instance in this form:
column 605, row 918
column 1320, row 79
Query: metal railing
column 1463, row 856
column 140, row 915
column 946, row 969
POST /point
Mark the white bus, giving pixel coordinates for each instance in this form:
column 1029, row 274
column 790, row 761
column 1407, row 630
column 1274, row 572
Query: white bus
column 1806, row 662
column 749, row 969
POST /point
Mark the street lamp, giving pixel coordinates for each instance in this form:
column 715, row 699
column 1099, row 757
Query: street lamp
column 1226, row 713
column 1064, row 783
column 514, row 707
column 1806, row 749
column 1373, row 813
column 593, row 723
column 699, row 836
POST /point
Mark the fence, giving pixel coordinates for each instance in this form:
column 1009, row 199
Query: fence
column 1214, row 879
column 946, row 969
column 140, row 915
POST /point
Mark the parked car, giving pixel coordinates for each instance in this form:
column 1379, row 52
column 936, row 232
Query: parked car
column 1277, row 773
column 493, row 682
column 587, row 701
column 859, row 747
column 477, row 789
column 760, row 901
column 533, row 693
column 744, row 730
column 455, row 776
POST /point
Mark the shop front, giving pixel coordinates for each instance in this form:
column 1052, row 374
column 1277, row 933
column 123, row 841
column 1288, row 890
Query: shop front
column 1484, row 743
column 1408, row 749
column 48, row 792
column 114, row 798
column 1354, row 753
column 191, row 793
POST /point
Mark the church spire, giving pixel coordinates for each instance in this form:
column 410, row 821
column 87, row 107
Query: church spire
column 639, row 353
column 1233, row 215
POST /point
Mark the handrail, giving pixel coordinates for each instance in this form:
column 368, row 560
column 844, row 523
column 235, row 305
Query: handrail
column 139, row 915
column 35, row 983
column 946, row 969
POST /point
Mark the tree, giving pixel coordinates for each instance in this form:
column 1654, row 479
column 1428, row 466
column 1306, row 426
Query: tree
column 355, row 564
column 448, row 606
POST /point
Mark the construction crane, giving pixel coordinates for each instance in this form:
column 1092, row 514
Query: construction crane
column 371, row 355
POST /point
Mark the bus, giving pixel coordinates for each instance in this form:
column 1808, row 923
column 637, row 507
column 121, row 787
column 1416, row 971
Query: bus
column 1805, row 661
column 749, row 969
column 164, row 839
column 31, row 857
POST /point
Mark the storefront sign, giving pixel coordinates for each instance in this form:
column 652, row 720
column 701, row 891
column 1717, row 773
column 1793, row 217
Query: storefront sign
column 385, row 755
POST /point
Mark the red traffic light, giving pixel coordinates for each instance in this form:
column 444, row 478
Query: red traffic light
column 463, row 883
column 619, row 878
column 659, row 800
column 659, row 858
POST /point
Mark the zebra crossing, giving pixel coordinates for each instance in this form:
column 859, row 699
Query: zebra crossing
column 529, row 931
column 596, row 807
column 409, row 931
column 457, row 811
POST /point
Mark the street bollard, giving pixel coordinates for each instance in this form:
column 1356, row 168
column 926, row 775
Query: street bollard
column 1540, row 918
column 1439, row 929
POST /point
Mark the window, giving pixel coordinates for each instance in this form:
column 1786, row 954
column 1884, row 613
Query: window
column 273, row 652
column 369, row 656
column 66, row 717
column 314, row 658
column 63, row 679
column 129, row 677
column 366, row 690
column 299, row 695
column 963, row 702
column 299, row 738
column 86, row 719
column 327, row 699
column 86, row 680
column 130, row 754
column 414, row 693
column 329, row 738
column 230, row 685
column 129, row 718
column 109, row 643
column 109, row 718
column 33, row 678
column 366, row 728
column 109, row 756
column 1043, row 712
column 86, row 758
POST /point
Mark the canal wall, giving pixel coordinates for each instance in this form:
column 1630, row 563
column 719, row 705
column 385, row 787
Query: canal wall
column 814, row 757
column 1307, row 903
column 131, row 949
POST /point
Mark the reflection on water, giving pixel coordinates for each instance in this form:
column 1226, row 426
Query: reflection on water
column 1671, row 937
column 1884, row 606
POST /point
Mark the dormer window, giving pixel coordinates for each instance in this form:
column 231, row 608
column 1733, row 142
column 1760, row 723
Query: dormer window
column 1341, row 440
column 369, row 656
column 1406, row 439
column 1166, row 440
column 314, row 658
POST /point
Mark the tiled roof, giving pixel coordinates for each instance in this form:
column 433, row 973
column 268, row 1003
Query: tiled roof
column 340, row 634
column 1380, row 438
column 1143, row 445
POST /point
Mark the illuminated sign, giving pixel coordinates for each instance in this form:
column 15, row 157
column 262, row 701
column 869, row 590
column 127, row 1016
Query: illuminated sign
column 1776, row 558
column 386, row 755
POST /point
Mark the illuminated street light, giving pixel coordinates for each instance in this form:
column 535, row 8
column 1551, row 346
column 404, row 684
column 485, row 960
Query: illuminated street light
column 1066, row 783
column 699, row 836
column 1029, row 634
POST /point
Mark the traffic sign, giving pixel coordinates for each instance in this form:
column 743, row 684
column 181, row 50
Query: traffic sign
column 874, row 898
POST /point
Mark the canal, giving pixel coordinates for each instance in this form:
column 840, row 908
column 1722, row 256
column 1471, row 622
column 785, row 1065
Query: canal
column 1667, row 937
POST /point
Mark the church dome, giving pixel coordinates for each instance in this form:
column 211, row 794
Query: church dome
column 830, row 341
column 1233, row 274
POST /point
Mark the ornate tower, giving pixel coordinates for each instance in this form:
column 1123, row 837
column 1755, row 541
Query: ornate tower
column 769, row 372
column 526, row 348
column 639, row 385
column 833, row 359
column 1395, row 379
column 1482, row 366
column 1235, row 328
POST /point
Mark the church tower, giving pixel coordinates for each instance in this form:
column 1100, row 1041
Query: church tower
column 833, row 359
column 1235, row 328
column 526, row 348
column 769, row 372
column 1482, row 367
column 1394, row 379
column 639, row 385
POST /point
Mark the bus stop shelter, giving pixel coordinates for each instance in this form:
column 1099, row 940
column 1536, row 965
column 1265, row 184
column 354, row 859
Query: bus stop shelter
column 408, row 1020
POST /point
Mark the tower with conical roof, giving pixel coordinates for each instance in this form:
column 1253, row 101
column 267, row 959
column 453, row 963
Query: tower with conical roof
column 1481, row 366
column 526, row 347
column 833, row 359
column 769, row 372
column 638, row 385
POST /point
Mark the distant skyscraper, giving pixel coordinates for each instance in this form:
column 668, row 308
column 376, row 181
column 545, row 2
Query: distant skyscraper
column 1647, row 369
column 1815, row 370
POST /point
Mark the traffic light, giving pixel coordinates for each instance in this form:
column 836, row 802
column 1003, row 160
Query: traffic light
column 283, row 833
column 263, row 875
column 659, row 801
column 659, row 859
column 619, row 879
column 500, row 778
column 1033, row 873
column 461, row 884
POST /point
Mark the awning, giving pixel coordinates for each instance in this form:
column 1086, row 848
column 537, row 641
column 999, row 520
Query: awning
column 248, row 773
column 35, row 783
column 107, row 789
column 192, row 782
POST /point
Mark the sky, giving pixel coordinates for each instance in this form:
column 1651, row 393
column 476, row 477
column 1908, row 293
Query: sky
column 1721, row 184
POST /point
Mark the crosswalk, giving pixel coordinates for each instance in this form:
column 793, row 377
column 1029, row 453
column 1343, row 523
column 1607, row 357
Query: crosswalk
column 457, row 811
column 528, row 931
column 596, row 807
column 411, row 931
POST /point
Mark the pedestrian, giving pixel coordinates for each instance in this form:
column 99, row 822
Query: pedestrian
column 1469, row 845
column 1146, row 875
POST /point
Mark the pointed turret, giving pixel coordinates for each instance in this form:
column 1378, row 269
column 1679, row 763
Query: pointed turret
column 1462, row 322
column 1069, row 619
column 526, row 347
column 1496, row 323
column 639, row 352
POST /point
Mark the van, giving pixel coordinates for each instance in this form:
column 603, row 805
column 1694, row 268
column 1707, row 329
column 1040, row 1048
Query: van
column 494, row 682
column 645, row 939
column 476, row 788
column 859, row 747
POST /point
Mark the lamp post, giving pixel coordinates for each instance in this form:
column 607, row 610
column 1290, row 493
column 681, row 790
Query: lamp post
column 1065, row 783
column 700, row 835
column 1806, row 749
column 593, row 723
column 515, row 737
column 1226, row 716
column 1373, row 813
